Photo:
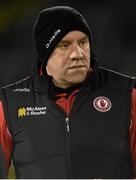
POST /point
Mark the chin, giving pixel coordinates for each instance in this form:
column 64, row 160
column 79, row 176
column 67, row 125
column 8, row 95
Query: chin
column 77, row 77
column 78, row 80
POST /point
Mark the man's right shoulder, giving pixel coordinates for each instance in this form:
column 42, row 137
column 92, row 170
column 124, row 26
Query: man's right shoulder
column 22, row 85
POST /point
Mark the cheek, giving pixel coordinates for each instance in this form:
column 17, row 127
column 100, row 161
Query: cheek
column 56, row 63
column 87, row 52
column 55, row 68
column 87, row 55
column 52, row 69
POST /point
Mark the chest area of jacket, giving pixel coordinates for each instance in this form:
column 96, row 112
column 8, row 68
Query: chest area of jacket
column 97, row 115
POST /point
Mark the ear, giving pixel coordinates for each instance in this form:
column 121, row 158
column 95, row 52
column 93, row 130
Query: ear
column 48, row 70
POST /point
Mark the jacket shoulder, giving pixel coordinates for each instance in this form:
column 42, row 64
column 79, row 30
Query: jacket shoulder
column 116, row 73
column 22, row 85
column 115, row 77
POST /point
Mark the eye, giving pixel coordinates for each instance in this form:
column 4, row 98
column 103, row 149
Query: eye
column 83, row 42
column 63, row 45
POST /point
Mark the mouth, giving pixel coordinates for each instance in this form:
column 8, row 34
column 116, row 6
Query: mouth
column 77, row 67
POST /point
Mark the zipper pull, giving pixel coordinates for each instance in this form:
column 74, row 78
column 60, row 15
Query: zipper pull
column 67, row 123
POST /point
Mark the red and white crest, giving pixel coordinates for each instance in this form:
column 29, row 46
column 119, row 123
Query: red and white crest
column 102, row 104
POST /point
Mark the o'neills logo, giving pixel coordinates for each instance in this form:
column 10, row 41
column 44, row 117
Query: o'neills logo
column 52, row 38
column 31, row 111
column 102, row 104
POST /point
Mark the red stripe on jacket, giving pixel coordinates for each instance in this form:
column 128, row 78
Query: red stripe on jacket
column 5, row 138
column 133, row 130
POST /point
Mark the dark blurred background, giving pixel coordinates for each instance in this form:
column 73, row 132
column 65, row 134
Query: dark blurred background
column 113, row 25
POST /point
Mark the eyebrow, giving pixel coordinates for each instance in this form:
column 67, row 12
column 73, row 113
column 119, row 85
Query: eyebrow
column 84, row 38
column 67, row 41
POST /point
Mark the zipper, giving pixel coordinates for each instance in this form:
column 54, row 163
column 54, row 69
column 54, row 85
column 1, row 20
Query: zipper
column 67, row 132
column 67, row 124
column 68, row 146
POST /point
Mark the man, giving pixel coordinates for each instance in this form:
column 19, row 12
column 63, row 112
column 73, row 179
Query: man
column 69, row 118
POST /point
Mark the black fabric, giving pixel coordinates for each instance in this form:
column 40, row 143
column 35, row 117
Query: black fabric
column 106, row 136
column 3, row 171
column 97, row 145
column 52, row 25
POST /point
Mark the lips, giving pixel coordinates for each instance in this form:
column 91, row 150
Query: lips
column 76, row 67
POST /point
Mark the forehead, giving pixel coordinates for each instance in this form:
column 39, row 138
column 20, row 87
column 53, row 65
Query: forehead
column 74, row 35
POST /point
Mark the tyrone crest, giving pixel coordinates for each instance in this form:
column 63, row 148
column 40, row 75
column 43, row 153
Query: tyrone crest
column 102, row 104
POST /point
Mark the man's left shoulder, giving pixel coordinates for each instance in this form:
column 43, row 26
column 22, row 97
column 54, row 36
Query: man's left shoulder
column 117, row 74
column 118, row 79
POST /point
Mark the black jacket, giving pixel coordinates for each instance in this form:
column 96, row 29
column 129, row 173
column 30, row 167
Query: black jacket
column 93, row 142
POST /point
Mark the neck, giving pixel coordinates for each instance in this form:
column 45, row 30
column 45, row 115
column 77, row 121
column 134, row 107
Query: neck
column 63, row 85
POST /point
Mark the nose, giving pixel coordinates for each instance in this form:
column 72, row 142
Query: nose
column 76, row 53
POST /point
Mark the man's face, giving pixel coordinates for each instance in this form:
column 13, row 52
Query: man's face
column 69, row 63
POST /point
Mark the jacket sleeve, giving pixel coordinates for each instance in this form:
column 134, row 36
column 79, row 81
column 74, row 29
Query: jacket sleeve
column 5, row 145
column 133, row 130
